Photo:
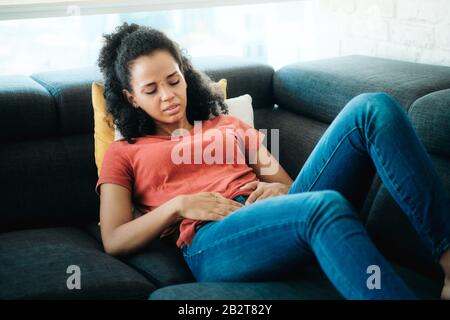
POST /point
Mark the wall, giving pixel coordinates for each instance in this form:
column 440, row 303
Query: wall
column 411, row 30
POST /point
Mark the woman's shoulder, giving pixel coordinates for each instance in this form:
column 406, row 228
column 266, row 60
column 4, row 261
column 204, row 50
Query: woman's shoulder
column 227, row 120
column 222, row 119
column 119, row 148
column 120, row 144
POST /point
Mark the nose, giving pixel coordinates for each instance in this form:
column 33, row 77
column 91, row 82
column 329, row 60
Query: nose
column 166, row 93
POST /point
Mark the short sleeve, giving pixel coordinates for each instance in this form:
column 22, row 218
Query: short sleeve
column 116, row 168
column 249, row 137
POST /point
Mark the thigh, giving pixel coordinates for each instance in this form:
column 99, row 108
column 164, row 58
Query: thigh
column 259, row 241
column 339, row 162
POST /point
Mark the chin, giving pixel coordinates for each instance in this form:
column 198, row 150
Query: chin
column 174, row 117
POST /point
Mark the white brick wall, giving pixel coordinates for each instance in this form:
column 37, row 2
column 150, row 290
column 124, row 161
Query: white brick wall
column 412, row 35
column 377, row 8
column 410, row 30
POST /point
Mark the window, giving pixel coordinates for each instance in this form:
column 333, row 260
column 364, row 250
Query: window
column 273, row 33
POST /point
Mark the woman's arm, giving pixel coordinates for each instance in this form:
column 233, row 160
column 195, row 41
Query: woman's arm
column 120, row 233
column 268, row 169
column 273, row 179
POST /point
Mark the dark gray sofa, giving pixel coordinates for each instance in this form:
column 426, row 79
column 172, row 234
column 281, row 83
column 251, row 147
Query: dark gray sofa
column 47, row 171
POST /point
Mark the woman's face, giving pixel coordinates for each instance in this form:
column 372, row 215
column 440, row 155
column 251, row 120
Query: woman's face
column 159, row 88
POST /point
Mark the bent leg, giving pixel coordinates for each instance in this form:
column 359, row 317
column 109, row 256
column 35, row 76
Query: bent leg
column 269, row 237
column 373, row 131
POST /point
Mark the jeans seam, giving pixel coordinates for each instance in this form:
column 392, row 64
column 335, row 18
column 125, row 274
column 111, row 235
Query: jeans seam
column 394, row 185
column 331, row 156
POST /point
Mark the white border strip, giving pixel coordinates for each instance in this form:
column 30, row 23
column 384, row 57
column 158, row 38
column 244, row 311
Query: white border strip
column 25, row 10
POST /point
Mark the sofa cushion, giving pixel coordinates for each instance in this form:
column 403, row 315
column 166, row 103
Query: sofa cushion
column 430, row 116
column 48, row 182
column 298, row 136
column 311, row 284
column 34, row 264
column 320, row 89
column 71, row 90
column 28, row 110
column 161, row 262
column 244, row 76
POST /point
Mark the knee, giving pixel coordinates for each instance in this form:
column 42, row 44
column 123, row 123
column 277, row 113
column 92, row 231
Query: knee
column 329, row 208
column 376, row 106
column 330, row 204
column 331, row 198
column 378, row 101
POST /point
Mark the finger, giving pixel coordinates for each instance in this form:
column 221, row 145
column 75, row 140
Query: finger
column 253, row 196
column 234, row 208
column 251, row 185
column 236, row 204
column 215, row 216
column 227, row 209
column 221, row 212
column 265, row 195
column 227, row 201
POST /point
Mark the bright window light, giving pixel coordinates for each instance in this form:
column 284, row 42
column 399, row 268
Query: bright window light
column 272, row 33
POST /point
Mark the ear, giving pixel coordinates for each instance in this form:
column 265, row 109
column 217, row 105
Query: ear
column 130, row 98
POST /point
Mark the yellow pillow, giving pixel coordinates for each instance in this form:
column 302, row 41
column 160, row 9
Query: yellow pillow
column 221, row 86
column 103, row 122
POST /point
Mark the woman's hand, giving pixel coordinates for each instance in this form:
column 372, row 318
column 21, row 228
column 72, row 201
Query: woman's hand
column 205, row 206
column 264, row 190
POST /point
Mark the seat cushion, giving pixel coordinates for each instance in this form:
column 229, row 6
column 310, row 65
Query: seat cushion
column 311, row 284
column 34, row 265
column 161, row 262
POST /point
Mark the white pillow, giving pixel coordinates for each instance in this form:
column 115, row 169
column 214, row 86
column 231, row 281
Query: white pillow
column 240, row 107
column 117, row 134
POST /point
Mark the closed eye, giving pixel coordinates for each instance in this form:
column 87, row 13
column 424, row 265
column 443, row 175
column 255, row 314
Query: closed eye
column 171, row 83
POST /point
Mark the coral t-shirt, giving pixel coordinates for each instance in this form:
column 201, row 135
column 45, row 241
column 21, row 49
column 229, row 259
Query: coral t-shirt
column 211, row 157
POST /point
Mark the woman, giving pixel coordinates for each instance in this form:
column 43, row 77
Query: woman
column 236, row 224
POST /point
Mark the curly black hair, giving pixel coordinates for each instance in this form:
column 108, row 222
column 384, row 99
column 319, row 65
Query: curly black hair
column 131, row 41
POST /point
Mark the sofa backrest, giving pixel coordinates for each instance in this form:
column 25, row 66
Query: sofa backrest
column 47, row 166
column 309, row 95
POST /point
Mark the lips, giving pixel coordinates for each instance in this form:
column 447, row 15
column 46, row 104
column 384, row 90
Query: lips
column 173, row 106
column 171, row 110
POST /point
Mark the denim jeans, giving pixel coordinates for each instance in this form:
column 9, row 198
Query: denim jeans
column 317, row 219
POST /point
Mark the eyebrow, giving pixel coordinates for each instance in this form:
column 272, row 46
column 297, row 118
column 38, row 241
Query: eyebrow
column 152, row 83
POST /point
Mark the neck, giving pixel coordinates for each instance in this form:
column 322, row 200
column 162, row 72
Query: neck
column 166, row 129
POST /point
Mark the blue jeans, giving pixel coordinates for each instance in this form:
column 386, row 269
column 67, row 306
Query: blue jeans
column 318, row 219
